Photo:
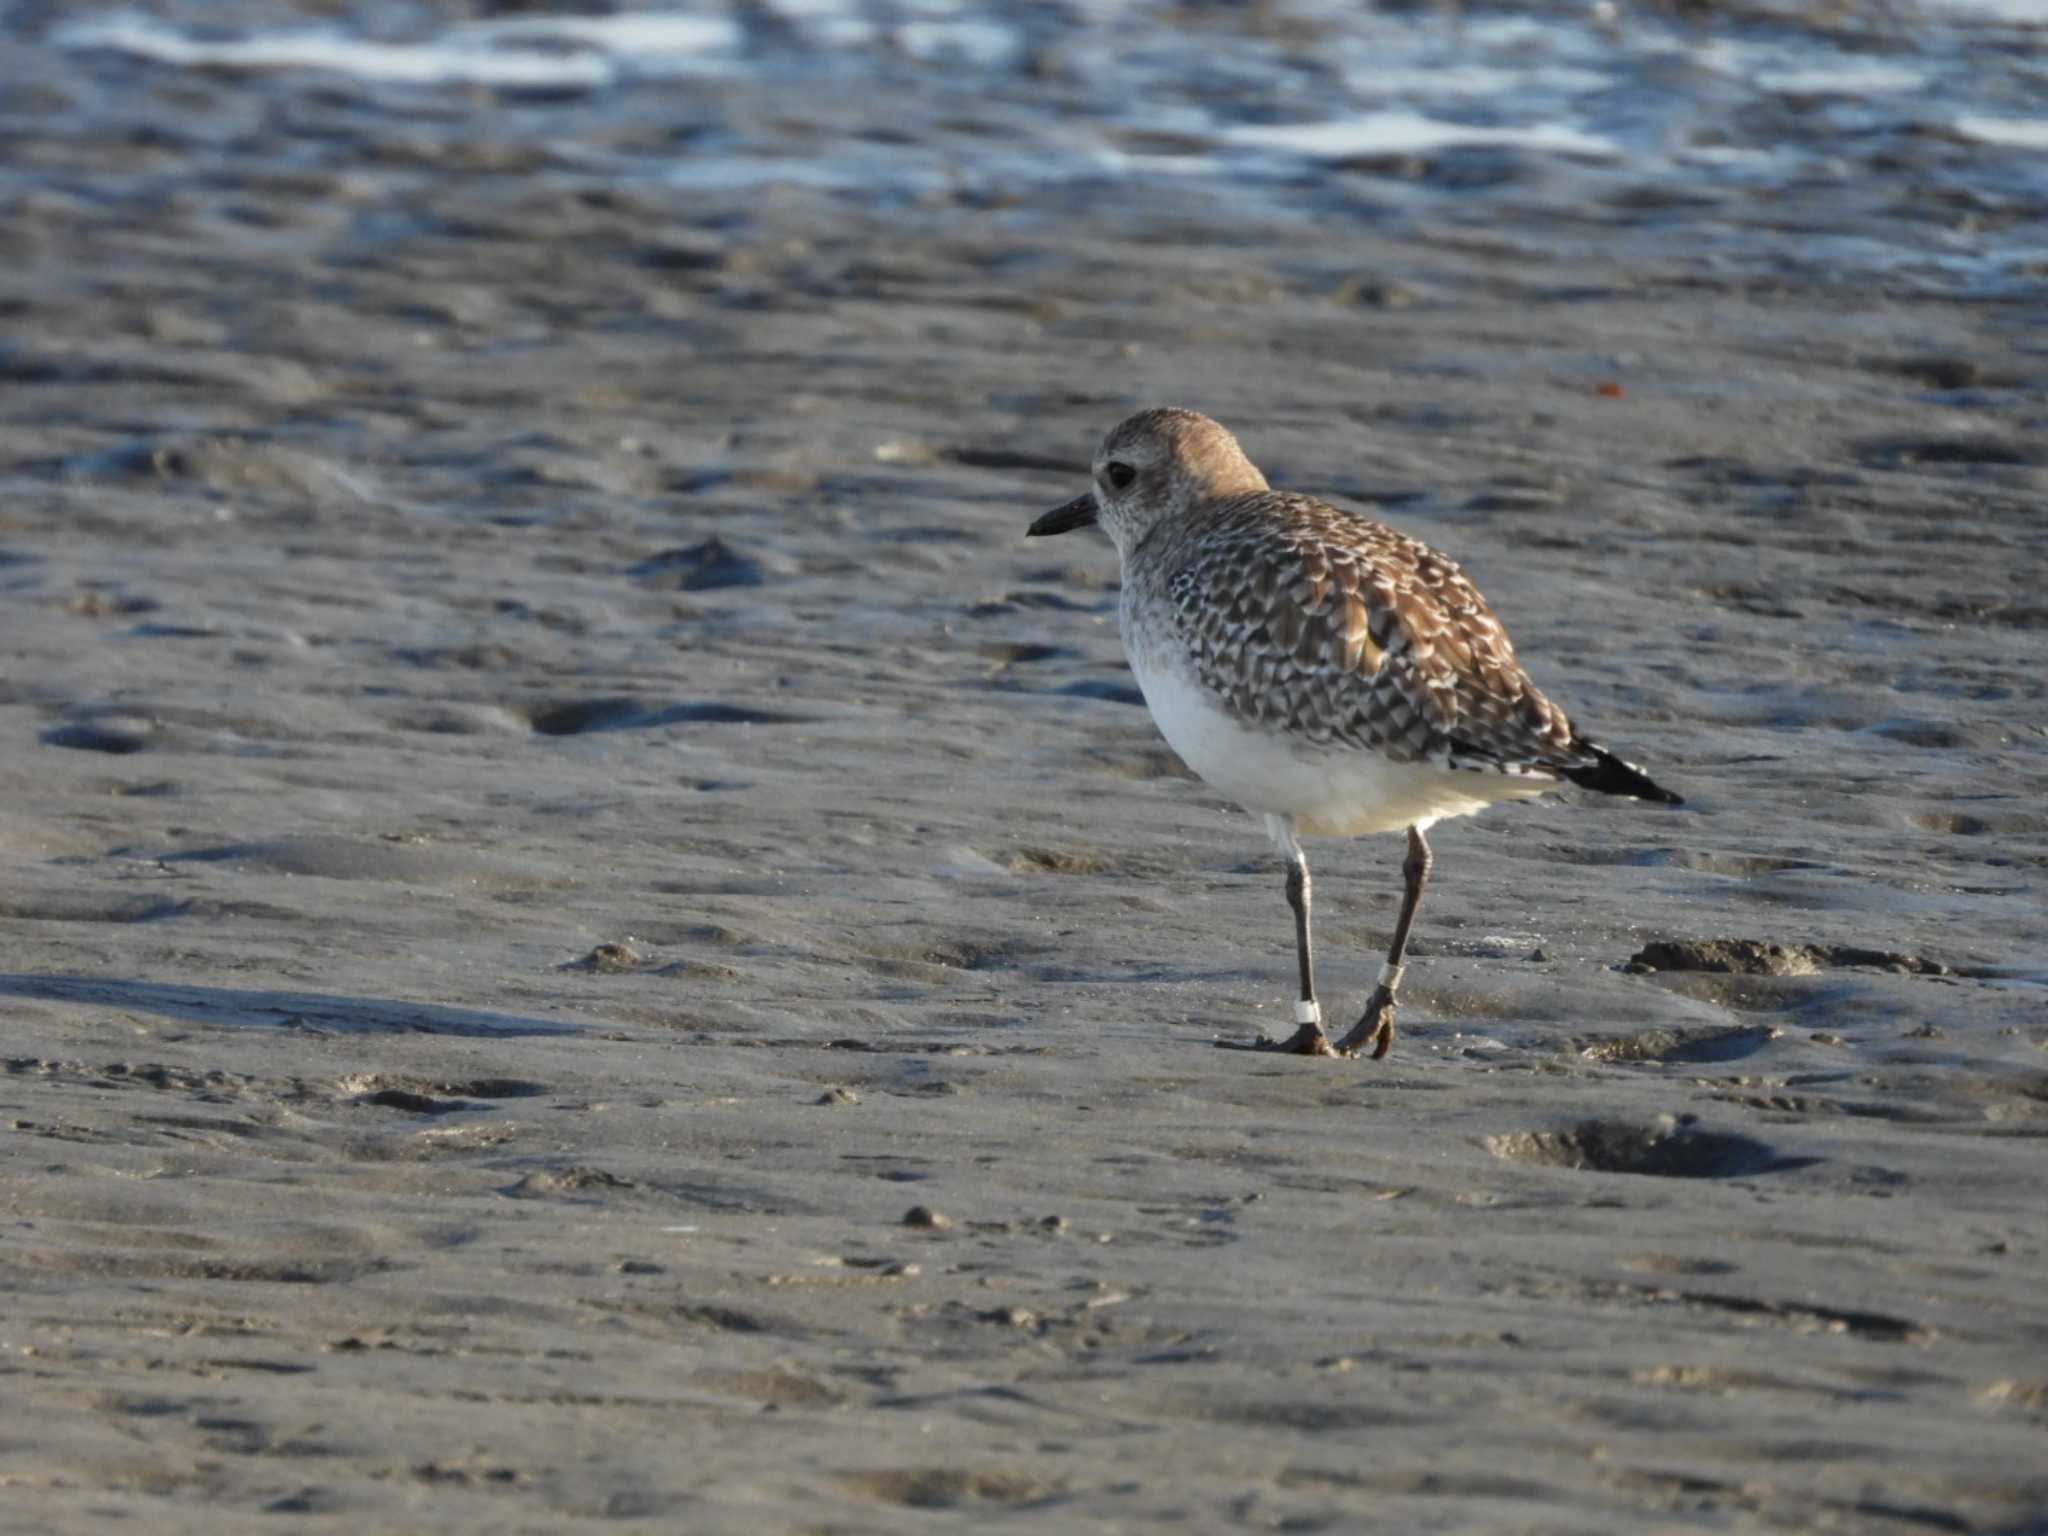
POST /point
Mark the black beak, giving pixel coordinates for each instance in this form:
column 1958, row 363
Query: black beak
column 1078, row 513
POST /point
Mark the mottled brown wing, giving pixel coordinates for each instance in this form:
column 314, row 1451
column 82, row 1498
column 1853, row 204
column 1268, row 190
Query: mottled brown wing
column 1336, row 629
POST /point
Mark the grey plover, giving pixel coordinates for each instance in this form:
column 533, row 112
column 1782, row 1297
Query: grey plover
column 1325, row 672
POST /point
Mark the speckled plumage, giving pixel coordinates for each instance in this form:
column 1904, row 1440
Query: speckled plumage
column 1325, row 626
column 1330, row 674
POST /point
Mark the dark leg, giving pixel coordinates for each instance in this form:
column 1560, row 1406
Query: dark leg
column 1309, row 1039
column 1297, row 898
column 1377, row 1024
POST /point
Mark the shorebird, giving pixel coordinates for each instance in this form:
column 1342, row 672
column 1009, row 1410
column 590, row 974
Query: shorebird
column 1325, row 672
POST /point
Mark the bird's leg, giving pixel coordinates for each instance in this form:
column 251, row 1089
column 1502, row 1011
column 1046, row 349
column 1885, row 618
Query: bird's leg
column 1308, row 1039
column 1377, row 1023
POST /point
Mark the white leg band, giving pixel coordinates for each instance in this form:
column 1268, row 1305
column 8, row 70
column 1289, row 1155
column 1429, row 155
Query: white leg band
column 1390, row 976
column 1308, row 1013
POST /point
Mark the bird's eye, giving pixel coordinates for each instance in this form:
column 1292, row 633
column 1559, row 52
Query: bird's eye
column 1120, row 474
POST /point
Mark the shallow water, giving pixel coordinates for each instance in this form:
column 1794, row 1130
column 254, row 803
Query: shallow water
column 1905, row 145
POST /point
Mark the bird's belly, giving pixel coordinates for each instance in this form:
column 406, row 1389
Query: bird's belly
column 1326, row 791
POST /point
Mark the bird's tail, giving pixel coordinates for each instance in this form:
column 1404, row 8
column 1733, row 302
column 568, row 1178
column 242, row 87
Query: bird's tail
column 1611, row 776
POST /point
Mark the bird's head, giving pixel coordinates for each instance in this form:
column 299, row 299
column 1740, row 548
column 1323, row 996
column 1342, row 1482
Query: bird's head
column 1152, row 466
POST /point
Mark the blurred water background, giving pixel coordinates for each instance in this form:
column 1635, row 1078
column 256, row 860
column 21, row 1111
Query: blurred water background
column 1905, row 143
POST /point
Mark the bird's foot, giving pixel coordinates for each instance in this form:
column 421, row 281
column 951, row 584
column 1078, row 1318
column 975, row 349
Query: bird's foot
column 1309, row 1040
column 1374, row 1028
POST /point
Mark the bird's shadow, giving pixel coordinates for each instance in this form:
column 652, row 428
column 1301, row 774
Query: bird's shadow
column 312, row 1012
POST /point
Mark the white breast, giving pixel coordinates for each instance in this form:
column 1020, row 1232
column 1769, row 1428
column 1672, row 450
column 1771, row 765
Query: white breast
column 1325, row 791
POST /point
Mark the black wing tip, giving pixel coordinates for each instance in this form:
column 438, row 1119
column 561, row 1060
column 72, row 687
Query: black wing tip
column 1611, row 776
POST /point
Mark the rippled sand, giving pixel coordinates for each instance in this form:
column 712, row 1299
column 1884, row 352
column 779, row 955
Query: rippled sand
column 548, row 806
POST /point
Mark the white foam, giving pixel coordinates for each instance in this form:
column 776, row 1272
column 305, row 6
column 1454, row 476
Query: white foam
column 1408, row 133
column 1429, row 78
column 1736, row 155
column 1862, row 77
column 581, row 51
column 435, row 63
column 644, row 38
column 2013, row 132
column 1119, row 162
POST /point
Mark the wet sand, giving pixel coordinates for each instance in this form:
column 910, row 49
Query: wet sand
column 548, row 806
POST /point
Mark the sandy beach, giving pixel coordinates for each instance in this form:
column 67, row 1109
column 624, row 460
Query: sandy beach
column 592, row 938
